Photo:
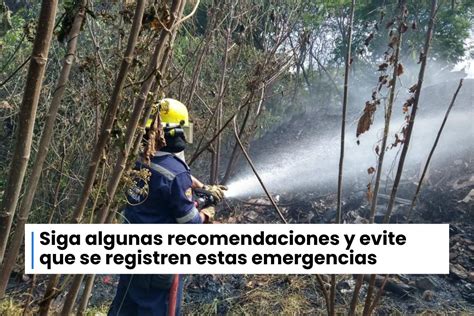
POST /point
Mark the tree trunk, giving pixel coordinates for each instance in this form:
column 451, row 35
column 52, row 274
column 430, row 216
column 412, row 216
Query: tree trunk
column 252, row 166
column 154, row 65
column 382, row 150
column 103, row 138
column 368, row 297
column 111, row 112
column 440, row 131
column 344, row 110
column 200, row 149
column 26, row 119
column 214, row 178
column 355, row 295
column 86, row 295
column 245, row 137
column 49, row 294
column 43, row 147
column 235, row 151
column 158, row 57
column 71, row 295
column 388, row 115
column 411, row 123
column 200, row 59
column 343, row 135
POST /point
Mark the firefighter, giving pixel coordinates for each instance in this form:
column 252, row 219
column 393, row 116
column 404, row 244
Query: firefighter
column 164, row 195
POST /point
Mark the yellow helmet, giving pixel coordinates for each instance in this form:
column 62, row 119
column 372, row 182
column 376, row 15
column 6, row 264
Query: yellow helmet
column 173, row 114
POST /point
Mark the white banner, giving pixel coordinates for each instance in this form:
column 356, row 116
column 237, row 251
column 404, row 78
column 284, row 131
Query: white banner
column 237, row 249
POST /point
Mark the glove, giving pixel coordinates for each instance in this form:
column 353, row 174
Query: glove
column 209, row 213
column 216, row 190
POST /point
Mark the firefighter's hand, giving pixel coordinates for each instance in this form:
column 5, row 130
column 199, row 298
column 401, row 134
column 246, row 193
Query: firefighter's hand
column 209, row 213
column 216, row 190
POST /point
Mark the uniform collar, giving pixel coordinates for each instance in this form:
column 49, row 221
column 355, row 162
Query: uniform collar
column 164, row 153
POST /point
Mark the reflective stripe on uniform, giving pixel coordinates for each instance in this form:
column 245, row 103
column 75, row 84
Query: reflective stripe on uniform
column 179, row 156
column 186, row 218
column 162, row 170
column 162, row 153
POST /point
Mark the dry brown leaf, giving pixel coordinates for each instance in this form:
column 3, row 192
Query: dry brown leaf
column 366, row 118
column 391, row 59
column 371, row 170
column 368, row 39
column 393, row 41
column 370, row 193
column 383, row 67
column 399, row 70
column 397, row 141
column 155, row 24
column 403, row 27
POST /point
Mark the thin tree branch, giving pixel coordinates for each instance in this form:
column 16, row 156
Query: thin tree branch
column 343, row 135
column 425, row 169
column 249, row 160
column 26, row 119
column 411, row 123
column 46, row 137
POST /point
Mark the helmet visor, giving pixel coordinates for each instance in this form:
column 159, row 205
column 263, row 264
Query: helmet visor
column 188, row 133
column 187, row 130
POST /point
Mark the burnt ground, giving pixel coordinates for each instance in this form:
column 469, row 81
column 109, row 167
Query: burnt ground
column 446, row 197
column 440, row 202
column 301, row 294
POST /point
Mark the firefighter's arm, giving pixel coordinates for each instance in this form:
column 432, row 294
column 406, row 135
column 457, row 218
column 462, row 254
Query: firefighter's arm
column 207, row 214
column 196, row 183
column 216, row 190
column 181, row 202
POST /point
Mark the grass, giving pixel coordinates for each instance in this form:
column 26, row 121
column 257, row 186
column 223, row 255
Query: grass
column 9, row 307
column 266, row 295
column 97, row 311
column 256, row 295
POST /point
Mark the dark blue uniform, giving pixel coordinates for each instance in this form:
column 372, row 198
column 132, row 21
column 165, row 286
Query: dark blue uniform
column 167, row 200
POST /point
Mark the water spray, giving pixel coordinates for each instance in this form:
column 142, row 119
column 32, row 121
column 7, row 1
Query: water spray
column 313, row 163
column 264, row 188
